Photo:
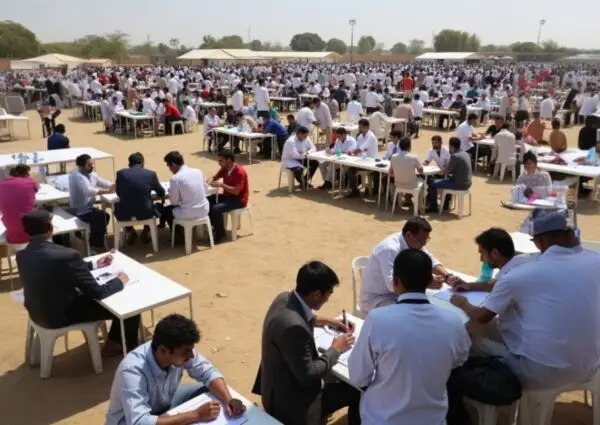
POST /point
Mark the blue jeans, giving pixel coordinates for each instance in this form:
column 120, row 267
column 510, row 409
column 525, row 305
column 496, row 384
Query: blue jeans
column 185, row 392
column 433, row 188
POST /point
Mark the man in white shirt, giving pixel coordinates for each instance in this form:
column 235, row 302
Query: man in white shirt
column 366, row 147
column 187, row 194
column 324, row 120
column 237, row 100
column 438, row 153
column 211, row 121
column 343, row 144
column 405, row 167
column 484, row 103
column 355, row 109
column 417, row 106
column 306, row 117
column 294, row 157
column 147, row 104
column 261, row 96
column 546, row 108
column 395, row 343
column 466, row 134
column 372, row 100
column 377, row 289
column 189, row 114
column 548, row 309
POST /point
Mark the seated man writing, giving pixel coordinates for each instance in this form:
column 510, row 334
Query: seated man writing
column 147, row 382
column 343, row 144
column 294, row 156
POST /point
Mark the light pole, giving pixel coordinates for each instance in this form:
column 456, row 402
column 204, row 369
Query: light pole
column 542, row 23
column 352, row 23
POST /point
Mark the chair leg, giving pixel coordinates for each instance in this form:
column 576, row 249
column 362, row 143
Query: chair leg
column 92, row 341
column 502, row 172
column 396, row 194
column 29, row 342
column 188, row 239
column 47, row 353
column 250, row 220
column 210, row 234
column 173, row 235
column 596, row 406
column 279, row 182
column 154, row 237
column 513, row 172
column 117, row 235
column 235, row 221
column 443, row 201
column 416, row 203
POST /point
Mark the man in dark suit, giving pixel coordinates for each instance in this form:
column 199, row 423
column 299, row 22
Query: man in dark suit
column 134, row 186
column 59, row 289
column 290, row 378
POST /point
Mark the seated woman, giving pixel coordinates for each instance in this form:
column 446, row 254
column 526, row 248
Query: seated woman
column 534, row 180
column 17, row 198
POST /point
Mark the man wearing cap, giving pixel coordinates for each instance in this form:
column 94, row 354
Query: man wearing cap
column 60, row 290
column 553, row 340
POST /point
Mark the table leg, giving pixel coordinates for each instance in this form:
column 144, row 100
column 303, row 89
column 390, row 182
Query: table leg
column 191, row 308
column 124, row 344
column 87, row 242
column 249, row 151
column 379, row 191
column 134, row 129
column 387, row 192
column 341, row 179
column 11, row 130
column 28, row 130
column 272, row 148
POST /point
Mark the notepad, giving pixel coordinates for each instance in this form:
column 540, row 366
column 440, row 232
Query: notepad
column 106, row 274
column 474, row 297
column 324, row 341
column 196, row 402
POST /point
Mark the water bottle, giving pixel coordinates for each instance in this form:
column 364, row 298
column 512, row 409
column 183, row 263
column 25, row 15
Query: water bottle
column 21, row 158
column 35, row 157
column 338, row 151
column 592, row 159
column 486, row 273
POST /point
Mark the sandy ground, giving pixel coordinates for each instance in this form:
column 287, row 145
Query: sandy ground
column 288, row 231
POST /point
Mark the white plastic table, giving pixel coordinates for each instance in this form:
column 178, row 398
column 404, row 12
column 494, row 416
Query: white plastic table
column 284, row 101
column 62, row 223
column 253, row 414
column 248, row 138
column 48, row 194
column 523, row 243
column 351, row 128
column 90, row 109
column 146, row 290
column 10, row 120
column 433, row 112
column 134, row 118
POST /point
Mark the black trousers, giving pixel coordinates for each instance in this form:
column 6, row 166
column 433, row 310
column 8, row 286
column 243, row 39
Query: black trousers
column 97, row 220
column 298, row 171
column 266, row 145
column 85, row 309
column 371, row 111
column 351, row 173
column 166, row 215
column 337, row 396
column 484, row 115
column 50, row 123
column 220, row 207
column 261, row 114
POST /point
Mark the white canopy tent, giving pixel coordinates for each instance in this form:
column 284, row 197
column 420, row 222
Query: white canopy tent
column 51, row 60
column 234, row 55
column 457, row 57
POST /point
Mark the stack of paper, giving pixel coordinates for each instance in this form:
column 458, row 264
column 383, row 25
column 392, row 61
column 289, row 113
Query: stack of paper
column 195, row 403
column 474, row 297
column 106, row 274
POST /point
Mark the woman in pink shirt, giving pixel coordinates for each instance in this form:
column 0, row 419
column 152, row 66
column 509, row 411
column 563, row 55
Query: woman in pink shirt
column 17, row 198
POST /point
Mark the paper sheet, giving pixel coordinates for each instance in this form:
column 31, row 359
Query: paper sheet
column 325, row 340
column 105, row 274
column 195, row 403
column 474, row 297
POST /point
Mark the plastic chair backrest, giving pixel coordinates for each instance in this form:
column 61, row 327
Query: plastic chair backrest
column 15, row 105
column 358, row 264
column 591, row 245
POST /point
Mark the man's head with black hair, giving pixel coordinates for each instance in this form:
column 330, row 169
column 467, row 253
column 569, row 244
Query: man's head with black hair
column 173, row 340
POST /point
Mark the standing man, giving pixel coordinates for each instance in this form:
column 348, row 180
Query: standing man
column 84, row 186
column 235, row 192
column 292, row 372
column 261, row 96
column 294, row 157
column 388, row 359
column 237, row 99
column 134, row 186
column 323, row 116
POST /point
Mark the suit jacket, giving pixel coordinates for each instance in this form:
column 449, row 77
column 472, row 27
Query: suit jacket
column 134, row 186
column 53, row 278
column 291, row 370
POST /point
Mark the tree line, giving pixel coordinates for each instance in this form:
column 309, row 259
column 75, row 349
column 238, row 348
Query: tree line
column 17, row 41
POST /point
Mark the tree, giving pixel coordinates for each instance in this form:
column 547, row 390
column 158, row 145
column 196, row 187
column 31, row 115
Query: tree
column 16, row 41
column 525, row 47
column 449, row 40
column 163, row 49
column 256, row 45
column 307, row 42
column 551, row 46
column 231, row 42
column 489, row 48
column 399, row 49
column 336, row 45
column 146, row 49
column 276, row 47
column 365, row 44
column 208, row 42
column 416, row 47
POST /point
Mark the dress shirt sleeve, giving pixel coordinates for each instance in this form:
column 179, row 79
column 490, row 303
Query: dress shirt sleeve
column 429, row 157
column 101, row 182
column 361, row 363
column 85, row 282
column 296, row 348
column 134, row 394
column 295, row 153
column 311, row 147
column 385, row 259
column 463, row 346
column 202, row 370
column 174, row 192
column 500, row 297
column 79, row 184
column 434, row 260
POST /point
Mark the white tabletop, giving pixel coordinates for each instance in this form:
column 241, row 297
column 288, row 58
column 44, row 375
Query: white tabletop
column 348, row 126
column 434, row 111
column 284, row 99
column 523, row 243
column 253, row 414
column 133, row 116
column 147, row 289
column 113, row 198
column 62, row 222
column 569, row 157
column 53, row 156
column 90, row 103
column 48, row 194
column 9, row 117
column 210, row 104
column 234, row 132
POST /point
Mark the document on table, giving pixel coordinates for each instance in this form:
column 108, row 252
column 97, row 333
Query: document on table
column 105, row 274
column 195, row 403
column 474, row 297
column 325, row 339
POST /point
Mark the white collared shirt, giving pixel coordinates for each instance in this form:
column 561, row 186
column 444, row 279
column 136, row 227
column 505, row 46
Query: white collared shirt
column 404, row 355
column 418, row 106
column 377, row 276
column 294, row 151
column 372, row 99
column 189, row 113
column 355, row 110
column 148, row 105
column 187, row 190
column 463, row 132
column 440, row 159
column 307, row 310
column 305, row 118
column 210, row 122
column 237, row 100
column 553, row 303
column 367, row 143
column 261, row 96
column 347, row 145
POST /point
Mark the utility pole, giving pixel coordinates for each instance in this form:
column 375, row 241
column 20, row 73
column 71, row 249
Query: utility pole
column 542, row 23
column 249, row 35
column 352, row 23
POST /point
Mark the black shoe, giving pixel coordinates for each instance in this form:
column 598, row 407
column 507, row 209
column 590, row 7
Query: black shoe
column 131, row 237
column 145, row 237
column 353, row 194
column 432, row 210
column 219, row 238
column 325, row 186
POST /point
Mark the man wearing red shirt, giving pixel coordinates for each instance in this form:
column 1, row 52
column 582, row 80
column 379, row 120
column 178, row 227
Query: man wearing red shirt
column 171, row 114
column 235, row 192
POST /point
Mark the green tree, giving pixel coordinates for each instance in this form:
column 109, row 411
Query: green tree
column 365, row 44
column 399, row 49
column 489, row 48
column 551, row 46
column 208, row 42
column 416, row 47
column 449, row 40
column 525, row 47
column 231, row 42
column 256, row 45
column 336, row 45
column 16, row 41
column 307, row 42
column 146, row 49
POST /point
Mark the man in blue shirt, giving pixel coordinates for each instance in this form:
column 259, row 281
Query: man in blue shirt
column 146, row 383
column 58, row 140
column 272, row 126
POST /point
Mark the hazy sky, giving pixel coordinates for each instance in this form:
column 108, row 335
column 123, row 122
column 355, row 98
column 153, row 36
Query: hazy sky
column 389, row 21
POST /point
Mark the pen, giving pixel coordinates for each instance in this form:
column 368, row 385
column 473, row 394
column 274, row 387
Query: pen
column 344, row 318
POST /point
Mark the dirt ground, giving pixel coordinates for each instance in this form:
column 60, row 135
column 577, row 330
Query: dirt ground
column 288, row 231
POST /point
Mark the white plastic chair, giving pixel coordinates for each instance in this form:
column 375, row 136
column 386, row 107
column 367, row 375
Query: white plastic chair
column 375, row 125
column 191, row 126
column 236, row 220
column 174, row 125
column 290, row 179
column 39, row 345
column 188, row 226
column 459, row 199
column 11, row 250
column 417, row 193
column 536, row 407
column 358, row 264
column 500, row 169
column 15, row 105
column 487, row 414
column 151, row 222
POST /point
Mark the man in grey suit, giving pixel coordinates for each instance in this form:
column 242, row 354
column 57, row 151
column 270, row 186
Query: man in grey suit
column 291, row 375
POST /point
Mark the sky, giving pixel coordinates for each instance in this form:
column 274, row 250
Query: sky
column 388, row 21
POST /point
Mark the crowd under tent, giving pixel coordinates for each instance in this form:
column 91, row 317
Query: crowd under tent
column 225, row 56
column 450, row 57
